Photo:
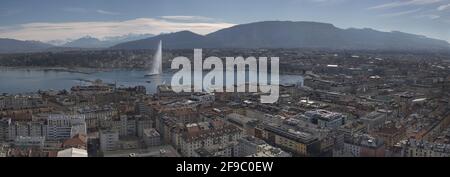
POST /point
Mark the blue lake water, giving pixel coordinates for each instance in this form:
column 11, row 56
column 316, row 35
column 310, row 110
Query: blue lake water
column 22, row 80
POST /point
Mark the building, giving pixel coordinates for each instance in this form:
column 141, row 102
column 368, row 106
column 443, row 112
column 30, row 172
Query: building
column 204, row 98
column 62, row 127
column 128, row 126
column 5, row 123
column 419, row 148
column 218, row 150
column 151, row 137
column 269, row 151
column 185, row 112
column 79, row 141
column 391, row 135
column 72, row 152
column 207, row 134
column 166, row 91
column 109, row 140
column 324, row 118
column 95, row 114
column 170, row 131
column 90, row 89
column 375, row 119
column 351, row 128
column 249, row 146
column 300, row 143
column 27, row 129
column 142, row 108
column 247, row 124
column 143, row 124
column 16, row 102
column 27, row 141
column 133, row 90
column 133, row 125
column 363, row 145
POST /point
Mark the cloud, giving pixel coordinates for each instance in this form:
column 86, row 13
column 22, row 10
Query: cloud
column 395, row 14
column 84, row 10
column 404, row 3
column 187, row 18
column 101, row 29
column 429, row 16
column 105, row 12
column 443, row 7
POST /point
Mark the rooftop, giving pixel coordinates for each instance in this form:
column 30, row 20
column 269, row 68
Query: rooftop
column 299, row 136
column 151, row 132
column 72, row 152
column 324, row 114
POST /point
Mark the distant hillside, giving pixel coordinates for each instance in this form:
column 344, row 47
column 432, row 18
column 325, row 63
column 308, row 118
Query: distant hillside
column 90, row 42
column 86, row 42
column 69, row 49
column 178, row 40
column 16, row 46
column 287, row 34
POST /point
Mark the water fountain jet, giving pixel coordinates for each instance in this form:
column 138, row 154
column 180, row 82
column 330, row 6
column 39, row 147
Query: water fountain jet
column 157, row 62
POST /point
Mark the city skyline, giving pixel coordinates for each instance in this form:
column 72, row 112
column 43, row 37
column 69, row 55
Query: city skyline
column 55, row 20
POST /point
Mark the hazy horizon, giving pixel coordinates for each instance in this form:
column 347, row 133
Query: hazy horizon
column 49, row 20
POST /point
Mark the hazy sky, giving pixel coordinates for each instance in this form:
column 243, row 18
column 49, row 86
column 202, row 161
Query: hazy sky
column 47, row 20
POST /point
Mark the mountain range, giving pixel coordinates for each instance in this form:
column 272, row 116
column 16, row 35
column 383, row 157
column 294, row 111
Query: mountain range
column 91, row 42
column 15, row 46
column 267, row 34
column 84, row 43
column 287, row 34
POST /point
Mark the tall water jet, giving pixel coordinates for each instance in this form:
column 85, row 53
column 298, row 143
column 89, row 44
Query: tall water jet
column 157, row 62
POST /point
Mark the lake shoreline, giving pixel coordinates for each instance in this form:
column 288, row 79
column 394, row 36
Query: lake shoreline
column 81, row 70
column 31, row 79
